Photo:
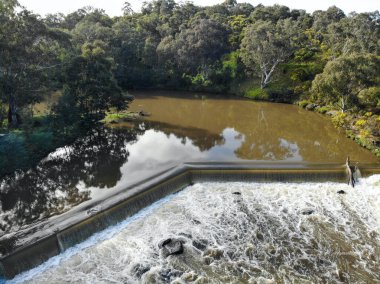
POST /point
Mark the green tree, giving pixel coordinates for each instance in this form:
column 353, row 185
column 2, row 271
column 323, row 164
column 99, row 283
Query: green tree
column 204, row 42
column 90, row 87
column 267, row 44
column 26, row 58
column 346, row 79
column 127, row 9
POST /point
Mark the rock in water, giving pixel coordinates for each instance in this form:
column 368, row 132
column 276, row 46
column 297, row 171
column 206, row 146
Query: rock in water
column 144, row 113
column 341, row 192
column 311, row 106
column 171, row 247
column 164, row 243
column 237, row 193
column 200, row 244
column 307, row 211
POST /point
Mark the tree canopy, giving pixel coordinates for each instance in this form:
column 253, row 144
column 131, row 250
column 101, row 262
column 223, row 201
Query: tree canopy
column 347, row 80
column 176, row 45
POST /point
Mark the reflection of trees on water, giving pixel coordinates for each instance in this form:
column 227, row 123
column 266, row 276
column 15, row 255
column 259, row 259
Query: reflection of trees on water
column 51, row 188
column 201, row 138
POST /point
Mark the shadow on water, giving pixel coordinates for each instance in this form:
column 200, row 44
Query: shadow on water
column 53, row 186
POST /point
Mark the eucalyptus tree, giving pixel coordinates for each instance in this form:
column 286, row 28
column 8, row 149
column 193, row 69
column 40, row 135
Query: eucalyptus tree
column 127, row 9
column 197, row 46
column 270, row 13
column 347, row 80
column 355, row 33
column 266, row 44
column 26, row 58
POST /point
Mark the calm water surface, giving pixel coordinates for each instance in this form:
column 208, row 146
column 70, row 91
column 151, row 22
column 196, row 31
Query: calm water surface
column 181, row 128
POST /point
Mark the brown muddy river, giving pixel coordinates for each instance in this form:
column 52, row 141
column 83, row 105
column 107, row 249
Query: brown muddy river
column 235, row 129
column 181, row 128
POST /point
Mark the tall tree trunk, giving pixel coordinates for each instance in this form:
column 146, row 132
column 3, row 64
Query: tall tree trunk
column 262, row 85
column 13, row 119
column 266, row 74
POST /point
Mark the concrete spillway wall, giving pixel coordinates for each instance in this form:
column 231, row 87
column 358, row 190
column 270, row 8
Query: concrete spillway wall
column 123, row 205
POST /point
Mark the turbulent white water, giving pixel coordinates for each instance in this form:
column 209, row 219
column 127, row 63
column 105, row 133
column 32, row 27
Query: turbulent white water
column 270, row 233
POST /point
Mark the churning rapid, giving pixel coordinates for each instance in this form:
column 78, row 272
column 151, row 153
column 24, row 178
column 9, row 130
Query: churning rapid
column 236, row 233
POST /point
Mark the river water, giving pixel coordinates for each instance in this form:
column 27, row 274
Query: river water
column 182, row 127
column 236, row 233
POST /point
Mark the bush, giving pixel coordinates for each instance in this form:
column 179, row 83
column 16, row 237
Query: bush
column 323, row 109
column 303, row 104
column 360, row 123
column 257, row 94
column 339, row 120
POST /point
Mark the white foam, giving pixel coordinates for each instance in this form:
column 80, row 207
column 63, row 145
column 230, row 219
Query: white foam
column 262, row 235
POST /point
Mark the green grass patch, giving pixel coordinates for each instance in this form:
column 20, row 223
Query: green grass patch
column 118, row 117
column 257, row 94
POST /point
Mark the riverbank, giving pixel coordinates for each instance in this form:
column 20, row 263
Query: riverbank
column 362, row 127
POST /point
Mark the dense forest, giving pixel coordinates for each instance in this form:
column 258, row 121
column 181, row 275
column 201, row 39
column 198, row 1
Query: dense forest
column 325, row 61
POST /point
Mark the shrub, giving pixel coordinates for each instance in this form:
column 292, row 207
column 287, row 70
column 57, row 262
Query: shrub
column 360, row 123
column 323, row 109
column 257, row 94
column 339, row 120
column 303, row 104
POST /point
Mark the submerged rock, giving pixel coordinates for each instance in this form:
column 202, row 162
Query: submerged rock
column 189, row 276
column 170, row 247
column 144, row 113
column 237, row 193
column 168, row 274
column 200, row 244
column 341, row 192
column 196, row 222
column 214, row 253
column 332, row 112
column 139, row 270
column 307, row 211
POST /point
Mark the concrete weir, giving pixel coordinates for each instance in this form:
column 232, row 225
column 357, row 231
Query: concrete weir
column 76, row 226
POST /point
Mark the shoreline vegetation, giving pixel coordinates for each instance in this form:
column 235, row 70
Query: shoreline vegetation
column 83, row 64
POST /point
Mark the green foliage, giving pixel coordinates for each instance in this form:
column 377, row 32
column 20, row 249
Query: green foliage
column 231, row 63
column 117, row 117
column 266, row 44
column 360, row 123
column 370, row 97
column 257, row 94
column 345, row 78
column 90, row 86
column 339, row 120
column 303, row 104
column 29, row 54
column 323, row 109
